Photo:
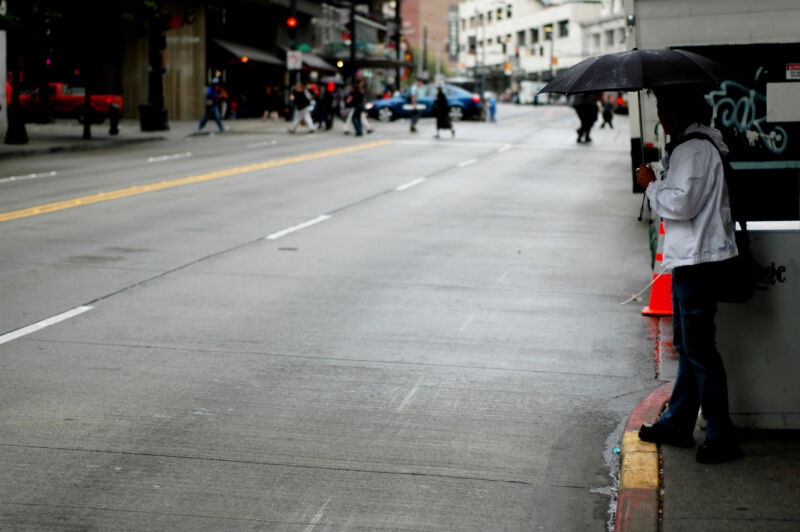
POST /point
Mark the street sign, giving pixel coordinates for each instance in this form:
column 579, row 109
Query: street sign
column 294, row 60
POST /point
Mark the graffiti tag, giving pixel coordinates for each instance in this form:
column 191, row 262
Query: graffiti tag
column 744, row 109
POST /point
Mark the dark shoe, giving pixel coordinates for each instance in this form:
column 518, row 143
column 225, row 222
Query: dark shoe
column 657, row 433
column 717, row 450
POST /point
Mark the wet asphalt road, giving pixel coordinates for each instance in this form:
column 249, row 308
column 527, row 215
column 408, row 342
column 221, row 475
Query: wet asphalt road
column 278, row 332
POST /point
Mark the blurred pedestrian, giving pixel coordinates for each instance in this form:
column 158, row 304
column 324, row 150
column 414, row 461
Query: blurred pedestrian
column 492, row 109
column 416, row 107
column 608, row 112
column 356, row 102
column 441, row 110
column 272, row 103
column 212, row 99
column 693, row 201
column 325, row 108
column 585, row 106
column 349, row 123
column 223, row 101
column 302, row 101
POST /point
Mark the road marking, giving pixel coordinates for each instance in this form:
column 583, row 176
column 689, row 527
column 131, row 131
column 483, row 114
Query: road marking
column 466, row 323
column 410, row 184
column 169, row 157
column 163, row 185
column 265, row 143
column 318, row 517
column 319, row 219
column 467, row 163
column 410, row 394
column 13, row 335
column 29, row 176
column 504, row 148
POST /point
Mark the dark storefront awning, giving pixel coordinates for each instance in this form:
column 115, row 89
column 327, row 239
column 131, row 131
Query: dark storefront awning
column 252, row 54
column 317, row 63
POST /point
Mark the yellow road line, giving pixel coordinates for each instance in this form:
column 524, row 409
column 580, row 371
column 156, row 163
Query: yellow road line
column 141, row 189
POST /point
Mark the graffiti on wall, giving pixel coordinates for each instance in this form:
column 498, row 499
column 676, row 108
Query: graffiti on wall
column 745, row 110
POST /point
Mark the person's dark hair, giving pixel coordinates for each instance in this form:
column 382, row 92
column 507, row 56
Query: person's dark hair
column 686, row 100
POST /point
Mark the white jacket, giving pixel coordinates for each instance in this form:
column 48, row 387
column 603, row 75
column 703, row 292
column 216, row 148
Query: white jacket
column 692, row 200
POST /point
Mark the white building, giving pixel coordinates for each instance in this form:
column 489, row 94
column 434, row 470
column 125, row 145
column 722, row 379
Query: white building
column 508, row 41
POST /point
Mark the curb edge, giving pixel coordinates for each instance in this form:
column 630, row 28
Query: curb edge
column 638, row 496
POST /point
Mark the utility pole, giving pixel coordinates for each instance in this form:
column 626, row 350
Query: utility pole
column 295, row 76
column 399, row 26
column 424, row 57
column 353, row 41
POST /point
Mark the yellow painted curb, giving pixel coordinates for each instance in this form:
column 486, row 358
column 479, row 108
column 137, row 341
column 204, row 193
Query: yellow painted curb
column 639, row 469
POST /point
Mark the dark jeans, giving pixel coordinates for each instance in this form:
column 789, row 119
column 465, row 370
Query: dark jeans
column 701, row 379
column 212, row 111
column 357, row 119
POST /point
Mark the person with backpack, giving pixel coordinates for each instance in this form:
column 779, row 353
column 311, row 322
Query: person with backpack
column 693, row 202
column 213, row 96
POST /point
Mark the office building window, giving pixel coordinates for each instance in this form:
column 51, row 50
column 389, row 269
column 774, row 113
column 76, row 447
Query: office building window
column 563, row 28
column 534, row 35
column 610, row 38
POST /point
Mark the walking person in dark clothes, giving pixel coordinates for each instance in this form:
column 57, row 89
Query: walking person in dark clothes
column 608, row 113
column 441, row 110
column 585, row 106
column 356, row 101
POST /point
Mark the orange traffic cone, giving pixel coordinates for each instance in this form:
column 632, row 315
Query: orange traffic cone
column 661, row 290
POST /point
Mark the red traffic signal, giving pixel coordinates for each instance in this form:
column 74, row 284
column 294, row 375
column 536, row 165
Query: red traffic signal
column 291, row 22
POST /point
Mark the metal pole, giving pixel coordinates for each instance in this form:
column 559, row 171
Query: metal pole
column 353, row 40
column 398, row 24
column 295, row 76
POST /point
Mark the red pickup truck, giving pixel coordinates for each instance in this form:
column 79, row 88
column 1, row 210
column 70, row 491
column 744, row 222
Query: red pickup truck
column 68, row 101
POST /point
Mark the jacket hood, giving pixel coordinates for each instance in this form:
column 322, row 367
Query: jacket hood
column 713, row 133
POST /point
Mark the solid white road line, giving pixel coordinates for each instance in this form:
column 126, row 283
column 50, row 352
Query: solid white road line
column 29, row 176
column 410, row 184
column 13, row 335
column 288, row 230
column 169, row 157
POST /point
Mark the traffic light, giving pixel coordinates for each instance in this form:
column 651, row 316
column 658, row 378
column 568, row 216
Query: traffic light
column 291, row 25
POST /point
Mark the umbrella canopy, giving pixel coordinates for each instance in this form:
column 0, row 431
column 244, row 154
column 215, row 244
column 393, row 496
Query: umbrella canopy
column 636, row 70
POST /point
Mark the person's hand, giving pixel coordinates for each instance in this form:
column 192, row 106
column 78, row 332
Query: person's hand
column 645, row 175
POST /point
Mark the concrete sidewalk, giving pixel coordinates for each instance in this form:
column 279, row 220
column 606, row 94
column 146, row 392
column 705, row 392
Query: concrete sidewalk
column 660, row 489
column 666, row 489
column 67, row 135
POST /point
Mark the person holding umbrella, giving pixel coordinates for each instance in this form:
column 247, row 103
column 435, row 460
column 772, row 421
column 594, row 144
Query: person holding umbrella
column 692, row 199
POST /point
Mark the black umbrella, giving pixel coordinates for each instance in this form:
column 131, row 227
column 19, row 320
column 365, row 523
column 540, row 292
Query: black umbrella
column 636, row 70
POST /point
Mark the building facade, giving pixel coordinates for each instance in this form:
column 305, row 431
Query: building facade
column 509, row 41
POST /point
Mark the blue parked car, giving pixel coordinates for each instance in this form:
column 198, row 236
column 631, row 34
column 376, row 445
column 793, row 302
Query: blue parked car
column 463, row 104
